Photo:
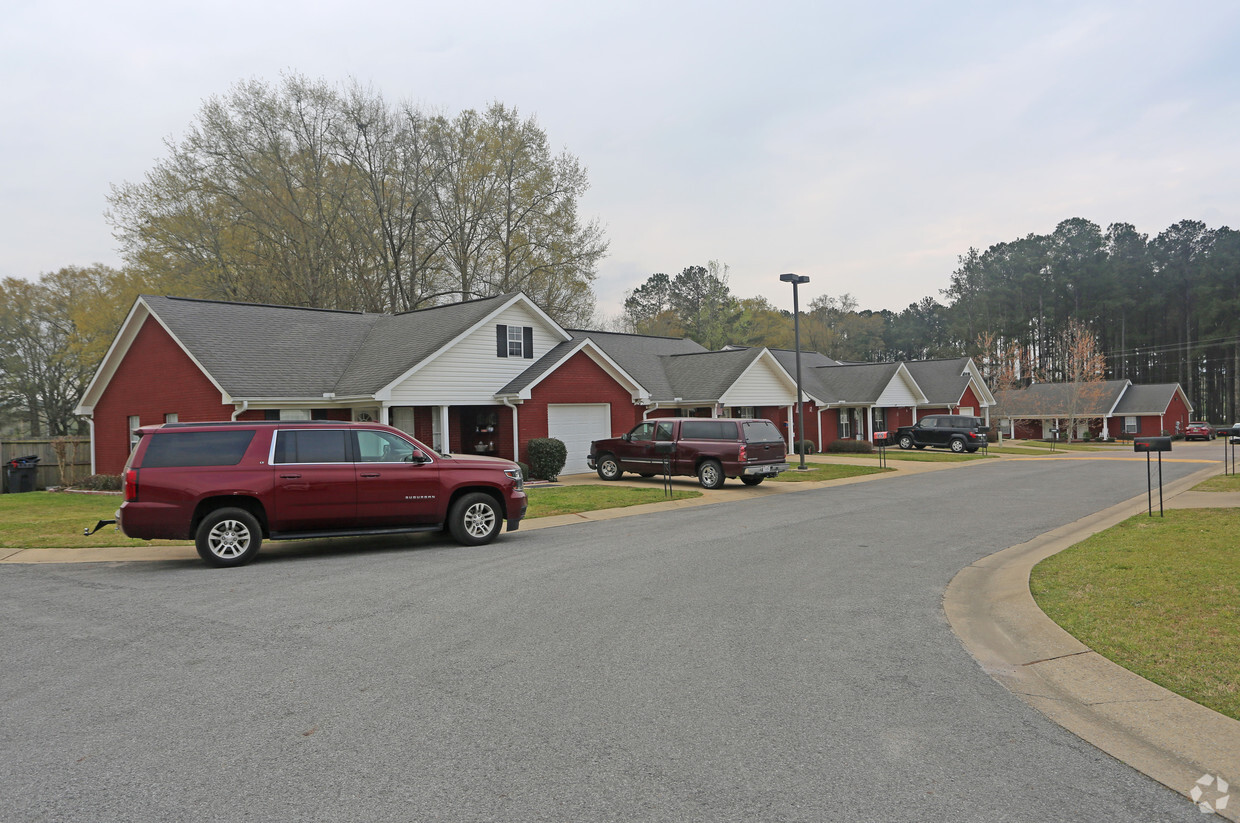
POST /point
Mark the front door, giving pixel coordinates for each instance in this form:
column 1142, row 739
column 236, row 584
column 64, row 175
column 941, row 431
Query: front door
column 393, row 489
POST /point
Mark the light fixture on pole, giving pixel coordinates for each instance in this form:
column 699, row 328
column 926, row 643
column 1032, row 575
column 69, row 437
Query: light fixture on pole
column 796, row 280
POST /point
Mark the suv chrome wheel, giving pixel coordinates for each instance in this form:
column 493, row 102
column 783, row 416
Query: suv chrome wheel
column 475, row 519
column 228, row 537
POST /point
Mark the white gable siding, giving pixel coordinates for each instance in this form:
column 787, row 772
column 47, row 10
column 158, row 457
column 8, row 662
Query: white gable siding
column 897, row 393
column 470, row 371
column 760, row 385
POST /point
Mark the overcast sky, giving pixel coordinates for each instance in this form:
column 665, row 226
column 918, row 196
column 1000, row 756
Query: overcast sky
column 866, row 148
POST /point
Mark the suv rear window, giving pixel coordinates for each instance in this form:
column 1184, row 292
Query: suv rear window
column 708, row 430
column 761, row 431
column 224, row 448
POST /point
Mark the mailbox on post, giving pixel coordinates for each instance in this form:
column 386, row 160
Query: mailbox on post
column 882, row 440
column 1151, row 444
column 1148, row 445
column 665, row 450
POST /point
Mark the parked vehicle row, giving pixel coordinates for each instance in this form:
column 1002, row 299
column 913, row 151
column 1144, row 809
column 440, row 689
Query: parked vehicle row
column 230, row 485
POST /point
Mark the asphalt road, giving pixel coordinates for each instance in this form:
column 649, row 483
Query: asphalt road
column 775, row 660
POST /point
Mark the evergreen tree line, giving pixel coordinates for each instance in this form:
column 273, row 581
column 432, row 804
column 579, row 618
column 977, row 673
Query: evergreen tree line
column 1161, row 310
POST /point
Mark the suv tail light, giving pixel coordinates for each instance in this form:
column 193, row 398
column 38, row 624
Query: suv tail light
column 131, row 485
column 743, row 456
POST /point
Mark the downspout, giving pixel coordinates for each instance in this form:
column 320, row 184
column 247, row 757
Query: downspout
column 245, row 405
column 516, row 450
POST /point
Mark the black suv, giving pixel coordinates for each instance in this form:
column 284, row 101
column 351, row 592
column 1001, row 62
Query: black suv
column 944, row 431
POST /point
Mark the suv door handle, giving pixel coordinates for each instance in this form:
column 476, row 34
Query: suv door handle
column 289, row 476
column 372, row 474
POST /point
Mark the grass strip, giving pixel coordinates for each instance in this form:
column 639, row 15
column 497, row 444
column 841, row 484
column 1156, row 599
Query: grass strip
column 1220, row 483
column 551, row 500
column 1159, row 596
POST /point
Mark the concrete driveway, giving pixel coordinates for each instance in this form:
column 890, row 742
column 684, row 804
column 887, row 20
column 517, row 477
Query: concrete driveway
column 783, row 657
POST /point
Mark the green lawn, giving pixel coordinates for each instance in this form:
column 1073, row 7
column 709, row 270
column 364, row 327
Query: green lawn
column 824, row 471
column 41, row 520
column 1159, row 596
column 1221, row 483
column 549, row 500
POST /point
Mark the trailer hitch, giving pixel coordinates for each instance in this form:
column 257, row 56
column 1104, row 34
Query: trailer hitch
column 89, row 531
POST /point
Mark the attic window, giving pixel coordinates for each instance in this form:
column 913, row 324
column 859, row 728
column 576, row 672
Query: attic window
column 514, row 341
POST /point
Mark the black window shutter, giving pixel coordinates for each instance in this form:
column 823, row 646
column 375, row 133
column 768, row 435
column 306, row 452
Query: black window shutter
column 501, row 340
column 527, row 342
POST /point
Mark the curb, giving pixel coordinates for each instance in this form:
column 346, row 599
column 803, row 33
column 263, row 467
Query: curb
column 1159, row 733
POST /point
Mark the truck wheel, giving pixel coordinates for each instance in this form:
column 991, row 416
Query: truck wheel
column 906, row 442
column 609, row 467
column 475, row 519
column 710, row 474
column 752, row 480
column 957, row 445
column 228, row 537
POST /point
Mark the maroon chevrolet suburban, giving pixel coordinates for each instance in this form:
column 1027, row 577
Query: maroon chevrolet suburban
column 712, row 449
column 229, row 485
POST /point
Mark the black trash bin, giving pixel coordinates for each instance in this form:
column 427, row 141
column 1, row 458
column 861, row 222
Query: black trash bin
column 22, row 473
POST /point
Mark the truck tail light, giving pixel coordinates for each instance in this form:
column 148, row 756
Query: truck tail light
column 131, row 485
column 743, row 455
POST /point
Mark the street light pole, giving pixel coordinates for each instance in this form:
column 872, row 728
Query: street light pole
column 796, row 280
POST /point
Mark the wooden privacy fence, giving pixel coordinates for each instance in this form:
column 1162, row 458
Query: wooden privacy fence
column 76, row 459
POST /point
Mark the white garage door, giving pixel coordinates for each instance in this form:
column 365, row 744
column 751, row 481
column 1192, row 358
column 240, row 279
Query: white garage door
column 577, row 424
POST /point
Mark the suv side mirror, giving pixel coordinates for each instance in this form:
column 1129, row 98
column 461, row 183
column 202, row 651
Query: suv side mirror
column 417, row 456
column 627, row 437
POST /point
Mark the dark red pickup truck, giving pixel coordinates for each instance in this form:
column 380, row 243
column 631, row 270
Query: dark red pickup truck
column 712, row 449
column 229, row 485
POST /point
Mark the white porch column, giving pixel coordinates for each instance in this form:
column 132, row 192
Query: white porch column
column 385, row 416
column 792, row 425
column 869, row 422
column 445, row 441
column 90, row 423
column 820, row 428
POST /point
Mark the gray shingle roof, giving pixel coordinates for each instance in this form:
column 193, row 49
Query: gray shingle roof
column 942, row 381
column 266, row 351
column 256, row 350
column 1055, row 400
column 862, row 383
column 643, row 357
column 396, row 343
column 705, row 375
column 1153, row 398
